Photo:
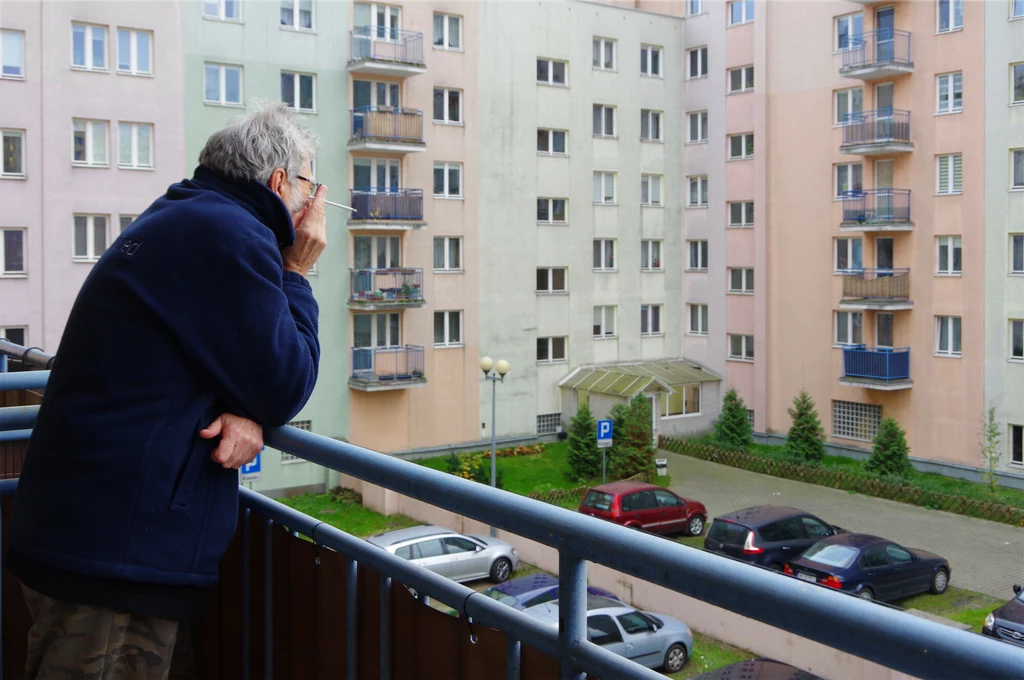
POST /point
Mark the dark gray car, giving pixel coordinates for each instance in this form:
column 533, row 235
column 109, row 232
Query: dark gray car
column 767, row 535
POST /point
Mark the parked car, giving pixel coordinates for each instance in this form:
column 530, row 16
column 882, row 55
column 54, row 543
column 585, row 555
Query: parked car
column 535, row 589
column 652, row 640
column 645, row 506
column 1007, row 622
column 767, row 535
column 448, row 553
column 872, row 568
column 763, row 669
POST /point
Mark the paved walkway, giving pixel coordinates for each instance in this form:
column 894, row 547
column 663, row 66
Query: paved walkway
column 985, row 556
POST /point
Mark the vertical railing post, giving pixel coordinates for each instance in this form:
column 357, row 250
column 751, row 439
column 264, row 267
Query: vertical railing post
column 385, row 627
column 268, row 601
column 572, row 611
column 513, row 668
column 246, row 597
column 351, row 620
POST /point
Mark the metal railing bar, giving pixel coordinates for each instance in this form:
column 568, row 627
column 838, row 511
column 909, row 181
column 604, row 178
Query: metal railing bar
column 268, row 600
column 246, row 597
column 15, row 435
column 17, row 417
column 385, row 627
column 351, row 619
column 572, row 611
column 513, row 670
column 23, row 380
column 28, row 355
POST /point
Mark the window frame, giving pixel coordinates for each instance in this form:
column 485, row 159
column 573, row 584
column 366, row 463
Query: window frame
column 550, row 340
column 1016, row 9
column 448, row 342
column 746, row 348
column 21, row 54
column 550, row 276
column 651, row 49
column 1016, row 444
column 746, row 214
column 551, row 210
column 134, row 146
column 446, row 33
column 702, row 191
column 651, row 178
column 953, row 189
column 24, row 331
column 666, row 409
column 952, row 322
column 842, row 118
column 121, row 227
column 952, row 243
column 854, row 323
column 856, row 416
column 603, row 175
column 746, row 281
column 850, row 254
column 650, row 313
column 88, row 54
column 1016, row 183
column 1016, row 325
column 650, row 115
column 1013, row 80
column 690, row 5
column 90, row 237
column 446, row 247
column 446, row 113
column 647, row 248
column 21, row 135
column 837, row 45
column 745, row 146
column 615, row 54
column 297, row 77
column 222, row 11
column 605, row 311
column 222, row 82
column 615, row 121
column 702, row 63
column 13, row 274
column 447, row 167
column 702, row 127
column 952, row 77
column 951, row 4
column 604, row 255
column 702, row 318
column 702, row 254
column 550, row 82
column 90, row 144
column 747, row 6
column 296, row 13
column 746, row 79
column 550, row 133
column 853, row 186
column 1014, row 270
column 133, row 52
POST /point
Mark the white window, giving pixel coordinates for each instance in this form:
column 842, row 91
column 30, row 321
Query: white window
column 695, row 7
column 134, row 52
column 698, row 319
column 1017, row 253
column 851, row 420
column 650, row 255
column 949, row 174
column 741, row 214
column 741, row 12
column 698, row 255
column 447, row 32
column 849, row 104
column 447, row 253
column 948, row 258
column 698, row 127
column 849, row 254
column 849, row 177
column 134, row 145
column 604, row 54
column 89, row 47
column 1017, row 82
column 849, row 30
column 741, row 280
column 447, row 329
column 552, row 71
column 741, row 347
column 552, row 142
column 1018, row 169
column 125, row 221
column 650, row 190
column 549, row 423
column 604, row 120
column 552, row 210
column 230, row 10
column 551, row 350
column 1016, row 12
column 15, row 335
column 448, row 180
column 12, row 54
column 222, row 84
column 697, row 59
column 447, row 105
column 298, row 91
column 1017, row 339
column 604, row 188
column 949, row 93
column 297, row 14
column 604, row 321
column 650, row 60
column 12, row 146
column 89, row 142
column 89, row 237
column 683, row 400
column 947, row 335
column 741, row 79
column 650, row 125
column 1016, row 431
column 951, row 15
column 650, row 320
column 12, row 252
column 604, row 254
column 849, row 328
column 741, row 146
column 551, row 280
column 698, row 197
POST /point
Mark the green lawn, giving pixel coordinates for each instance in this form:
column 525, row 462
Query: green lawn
column 350, row 517
column 963, row 606
column 709, row 654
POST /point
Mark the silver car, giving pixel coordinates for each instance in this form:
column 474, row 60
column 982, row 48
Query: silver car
column 448, row 553
column 652, row 640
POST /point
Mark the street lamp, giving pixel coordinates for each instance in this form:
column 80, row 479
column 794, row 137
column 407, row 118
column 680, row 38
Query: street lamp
column 495, row 372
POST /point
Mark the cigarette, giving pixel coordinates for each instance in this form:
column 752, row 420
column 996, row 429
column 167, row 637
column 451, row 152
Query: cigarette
column 339, row 205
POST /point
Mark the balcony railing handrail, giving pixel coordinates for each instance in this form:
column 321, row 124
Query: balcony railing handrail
column 398, row 110
column 890, row 271
column 859, row 347
column 387, row 191
column 387, row 270
column 384, row 33
column 883, row 112
column 882, row 33
column 858, row 193
column 30, row 356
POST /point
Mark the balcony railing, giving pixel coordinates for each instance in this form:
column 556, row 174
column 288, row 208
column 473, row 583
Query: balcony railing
column 384, row 364
column 876, row 284
column 876, row 206
column 882, row 126
column 877, row 49
column 886, row 364
column 387, row 124
column 377, row 43
column 385, row 286
column 387, row 204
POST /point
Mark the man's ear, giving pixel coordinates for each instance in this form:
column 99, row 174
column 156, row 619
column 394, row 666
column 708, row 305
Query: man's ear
column 277, row 179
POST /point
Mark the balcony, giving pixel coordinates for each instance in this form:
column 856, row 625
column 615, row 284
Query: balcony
column 386, row 129
column 878, row 55
column 386, row 209
column 380, row 51
column 377, row 369
column 876, row 210
column 884, row 132
column 876, row 368
column 380, row 289
column 877, row 289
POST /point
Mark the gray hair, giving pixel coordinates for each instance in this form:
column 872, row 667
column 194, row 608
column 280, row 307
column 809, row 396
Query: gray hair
column 253, row 146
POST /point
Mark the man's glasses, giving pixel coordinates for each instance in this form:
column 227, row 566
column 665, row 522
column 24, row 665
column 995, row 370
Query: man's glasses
column 313, row 186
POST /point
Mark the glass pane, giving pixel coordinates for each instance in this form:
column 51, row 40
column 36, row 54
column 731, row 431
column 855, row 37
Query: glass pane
column 13, row 161
column 542, row 70
column 609, row 121
column 439, row 180
column 306, row 92
column 453, row 106
column 645, row 124
column 884, row 324
column 99, row 143
column 558, row 210
column 943, row 333
column 81, row 236
column 142, row 52
column 1017, row 340
column 454, row 181
column 287, row 13
column 609, row 254
column 362, row 252
column 557, row 349
column 609, row 54
column 858, row 327
column 1018, row 253
column 943, row 255
column 597, row 254
column 99, row 235
column 454, row 327
column 558, row 141
column 656, row 62
column 144, row 151
column 78, row 45
column 124, row 144
column 439, row 253
column 645, row 255
column 233, row 85
column 597, row 119
column 557, row 279
column 542, row 140
column 692, row 393
column 438, row 104
column 597, row 54
column 125, row 222
column 736, row 80
column 956, row 333
column 99, row 47
column 438, row 328
column 382, row 330
column 455, row 253
column 394, row 252
column 231, row 9
column 542, row 210
column 736, row 345
column 439, row 30
column 124, row 50
column 542, row 349
column 542, row 279
column 558, row 72
column 655, row 125
column 454, row 32
column 382, row 252
column 643, row 60
column 644, row 326
column 361, row 330
column 14, row 251
column 212, row 84
column 12, row 50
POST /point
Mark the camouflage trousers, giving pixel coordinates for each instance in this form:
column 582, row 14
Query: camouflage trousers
column 80, row 642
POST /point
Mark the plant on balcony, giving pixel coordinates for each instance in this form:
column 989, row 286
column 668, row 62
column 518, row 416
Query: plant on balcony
column 806, row 439
column 407, row 291
column 733, row 425
column 890, row 458
column 991, row 452
column 583, row 455
column 633, row 451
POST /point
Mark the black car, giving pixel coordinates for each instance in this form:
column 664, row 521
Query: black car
column 767, row 535
column 765, row 669
column 1007, row 622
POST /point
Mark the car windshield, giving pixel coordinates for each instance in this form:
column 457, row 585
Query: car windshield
column 598, row 500
column 840, row 556
column 501, row 597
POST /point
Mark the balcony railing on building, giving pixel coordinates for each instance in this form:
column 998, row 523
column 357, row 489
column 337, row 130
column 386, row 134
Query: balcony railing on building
column 878, row 132
column 886, row 368
column 386, row 128
column 877, row 210
column 371, row 289
column 877, row 54
column 883, row 289
column 378, row 50
column 387, row 368
column 387, row 208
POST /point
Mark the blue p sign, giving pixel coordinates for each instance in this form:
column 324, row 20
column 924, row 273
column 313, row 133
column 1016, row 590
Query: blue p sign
column 604, row 430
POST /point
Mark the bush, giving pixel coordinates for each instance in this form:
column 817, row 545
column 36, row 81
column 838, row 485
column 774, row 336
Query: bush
column 733, row 425
column 476, row 467
column 583, row 454
column 890, row 457
column 633, row 450
column 806, row 439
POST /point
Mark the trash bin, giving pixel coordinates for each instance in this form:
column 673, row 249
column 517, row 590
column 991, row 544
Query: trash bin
column 661, row 465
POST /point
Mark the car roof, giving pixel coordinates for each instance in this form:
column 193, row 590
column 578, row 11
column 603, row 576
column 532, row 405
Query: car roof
column 616, row 488
column 390, row 538
column 526, row 584
column 758, row 668
column 759, row 515
column 855, row 540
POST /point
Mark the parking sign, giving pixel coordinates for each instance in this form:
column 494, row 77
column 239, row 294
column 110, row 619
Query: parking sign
column 251, row 472
column 604, row 433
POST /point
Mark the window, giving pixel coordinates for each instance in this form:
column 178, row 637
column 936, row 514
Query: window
column 698, row 62
column 698, row 319
column 949, row 93
column 222, row 85
column 741, row 280
column 849, row 178
column 1017, row 339
column 552, row 210
column 650, row 60
column 685, row 400
column 298, row 91
column 447, row 329
column 447, row 105
column 873, row 558
column 1017, row 9
column 134, row 50
column 695, row 7
column 604, row 321
column 947, row 335
column 741, row 146
column 1017, row 253
column 650, row 255
column 90, row 142
column 951, row 15
column 14, row 335
column 134, row 145
column 604, row 54
column 1017, row 82
column 89, row 47
column 851, row 420
column 741, row 12
column 741, row 214
column 948, row 256
column 1016, row 444
column 741, row 79
column 447, row 32
column 551, row 280
column 849, row 328
column 698, row 255
column 223, row 9
column 650, row 190
column 650, row 125
column 698, row 197
column 1018, row 169
column 849, row 30
column 601, row 630
column 849, row 104
column 650, row 320
column 698, row 127
column 551, row 71
column 12, row 252
column 547, row 423
column 849, row 254
column 604, row 121
column 551, row 350
column 90, row 237
column 814, row 528
column 12, row 54
column 604, row 188
column 741, row 347
column 447, row 180
column 429, row 548
column 448, row 253
column 949, row 174
column 297, row 14
column 750, row 417
column 12, row 145
column 125, row 221
column 551, row 142
column 604, row 254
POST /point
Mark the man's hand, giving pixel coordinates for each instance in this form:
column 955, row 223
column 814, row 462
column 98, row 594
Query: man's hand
column 310, row 236
column 240, row 440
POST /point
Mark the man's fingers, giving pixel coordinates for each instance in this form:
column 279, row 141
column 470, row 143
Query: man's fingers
column 225, row 451
column 213, row 429
column 320, row 197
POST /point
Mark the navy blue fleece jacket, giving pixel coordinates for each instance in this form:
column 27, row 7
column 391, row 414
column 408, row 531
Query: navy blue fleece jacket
column 187, row 315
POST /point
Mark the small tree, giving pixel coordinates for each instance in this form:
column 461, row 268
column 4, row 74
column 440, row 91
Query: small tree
column 806, row 439
column 890, row 455
column 584, row 456
column 990, row 449
column 633, row 450
column 733, row 425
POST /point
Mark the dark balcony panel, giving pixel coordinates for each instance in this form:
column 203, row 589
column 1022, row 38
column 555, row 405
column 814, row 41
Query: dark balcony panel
column 877, row 54
column 386, row 125
column 378, row 288
column 377, row 43
column 385, row 205
column 867, row 207
column 387, row 367
column 876, row 284
column 876, row 364
column 884, row 131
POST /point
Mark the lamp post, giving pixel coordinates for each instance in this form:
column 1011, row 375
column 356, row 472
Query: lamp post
column 495, row 372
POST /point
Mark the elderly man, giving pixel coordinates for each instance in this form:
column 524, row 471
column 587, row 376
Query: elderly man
column 195, row 329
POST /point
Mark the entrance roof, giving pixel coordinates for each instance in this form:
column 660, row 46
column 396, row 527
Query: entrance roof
column 630, row 379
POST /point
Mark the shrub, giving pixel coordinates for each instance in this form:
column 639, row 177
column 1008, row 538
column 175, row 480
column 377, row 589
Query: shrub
column 890, row 457
column 806, row 439
column 991, row 452
column 583, row 454
column 733, row 425
column 633, row 450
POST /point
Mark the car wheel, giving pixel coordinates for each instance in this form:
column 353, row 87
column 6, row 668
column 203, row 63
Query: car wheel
column 940, row 581
column 501, row 570
column 696, row 526
column 866, row 594
column 675, row 658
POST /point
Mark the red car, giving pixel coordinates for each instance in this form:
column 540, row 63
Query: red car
column 645, row 506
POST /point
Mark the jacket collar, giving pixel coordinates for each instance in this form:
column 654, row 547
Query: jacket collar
column 256, row 198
